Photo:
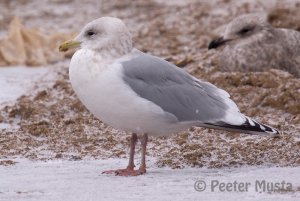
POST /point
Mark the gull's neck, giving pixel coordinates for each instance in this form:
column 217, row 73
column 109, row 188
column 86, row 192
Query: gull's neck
column 116, row 49
column 113, row 53
column 108, row 56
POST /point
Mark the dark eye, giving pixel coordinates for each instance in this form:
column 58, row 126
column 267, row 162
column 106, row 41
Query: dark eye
column 245, row 30
column 90, row 33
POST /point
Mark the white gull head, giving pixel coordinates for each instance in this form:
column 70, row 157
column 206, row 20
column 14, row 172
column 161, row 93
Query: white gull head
column 106, row 35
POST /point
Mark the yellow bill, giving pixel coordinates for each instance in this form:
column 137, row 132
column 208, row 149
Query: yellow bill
column 68, row 45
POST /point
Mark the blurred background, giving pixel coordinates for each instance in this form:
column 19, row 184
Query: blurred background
column 37, row 101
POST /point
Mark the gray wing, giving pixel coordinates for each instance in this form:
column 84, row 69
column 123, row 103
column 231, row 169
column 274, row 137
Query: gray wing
column 175, row 91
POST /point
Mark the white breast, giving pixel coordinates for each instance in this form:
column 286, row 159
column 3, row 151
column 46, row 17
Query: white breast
column 99, row 85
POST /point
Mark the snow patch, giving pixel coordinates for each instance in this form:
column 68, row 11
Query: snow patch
column 82, row 180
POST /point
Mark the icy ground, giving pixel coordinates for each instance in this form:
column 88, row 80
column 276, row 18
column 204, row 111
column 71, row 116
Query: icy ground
column 82, row 180
column 19, row 80
column 16, row 81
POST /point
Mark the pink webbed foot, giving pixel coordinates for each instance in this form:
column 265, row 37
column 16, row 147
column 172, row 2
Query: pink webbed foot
column 126, row 172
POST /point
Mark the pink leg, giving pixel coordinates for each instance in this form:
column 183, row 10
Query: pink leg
column 129, row 171
column 131, row 165
column 142, row 168
column 144, row 142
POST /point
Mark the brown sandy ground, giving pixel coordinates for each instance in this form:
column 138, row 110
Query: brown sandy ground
column 55, row 125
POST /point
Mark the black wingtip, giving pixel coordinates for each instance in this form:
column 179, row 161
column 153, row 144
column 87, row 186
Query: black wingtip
column 259, row 127
column 250, row 126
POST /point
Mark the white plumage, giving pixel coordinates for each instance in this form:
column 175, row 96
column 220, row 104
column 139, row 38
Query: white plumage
column 140, row 93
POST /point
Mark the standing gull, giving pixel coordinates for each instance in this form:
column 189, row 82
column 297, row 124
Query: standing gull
column 140, row 93
column 252, row 44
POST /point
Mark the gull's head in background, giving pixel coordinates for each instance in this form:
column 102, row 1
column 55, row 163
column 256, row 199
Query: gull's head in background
column 105, row 34
column 250, row 27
